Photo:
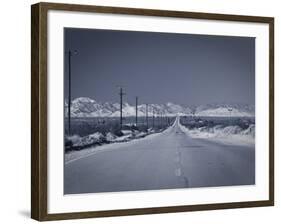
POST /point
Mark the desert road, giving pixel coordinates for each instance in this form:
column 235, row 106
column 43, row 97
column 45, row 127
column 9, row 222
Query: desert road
column 170, row 159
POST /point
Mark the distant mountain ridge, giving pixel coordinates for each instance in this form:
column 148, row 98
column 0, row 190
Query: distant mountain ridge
column 87, row 107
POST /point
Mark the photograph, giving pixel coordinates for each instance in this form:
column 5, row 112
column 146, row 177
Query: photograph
column 154, row 111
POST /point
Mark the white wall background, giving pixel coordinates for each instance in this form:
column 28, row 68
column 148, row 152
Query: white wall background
column 15, row 111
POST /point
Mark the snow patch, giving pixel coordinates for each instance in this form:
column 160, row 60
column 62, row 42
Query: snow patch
column 90, row 140
column 110, row 137
column 230, row 135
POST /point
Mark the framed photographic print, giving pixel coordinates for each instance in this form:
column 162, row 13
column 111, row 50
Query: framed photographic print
column 141, row 111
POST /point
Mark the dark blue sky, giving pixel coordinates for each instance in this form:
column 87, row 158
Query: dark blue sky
column 161, row 67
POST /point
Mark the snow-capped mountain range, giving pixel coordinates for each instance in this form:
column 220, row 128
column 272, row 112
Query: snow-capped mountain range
column 87, row 107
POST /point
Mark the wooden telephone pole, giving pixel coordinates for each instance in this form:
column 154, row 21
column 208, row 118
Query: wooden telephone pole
column 121, row 93
column 147, row 116
column 153, row 117
column 230, row 110
column 136, row 111
column 69, row 92
column 69, row 54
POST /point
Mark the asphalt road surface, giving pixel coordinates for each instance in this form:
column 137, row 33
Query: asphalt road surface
column 166, row 160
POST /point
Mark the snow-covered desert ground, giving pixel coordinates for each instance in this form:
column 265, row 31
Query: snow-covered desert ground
column 231, row 135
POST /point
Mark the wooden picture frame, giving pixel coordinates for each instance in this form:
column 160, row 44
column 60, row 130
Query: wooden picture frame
column 39, row 110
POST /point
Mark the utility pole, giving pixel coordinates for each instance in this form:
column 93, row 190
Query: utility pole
column 161, row 122
column 136, row 111
column 70, row 54
column 69, row 92
column 153, row 117
column 230, row 110
column 147, row 116
column 121, row 93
